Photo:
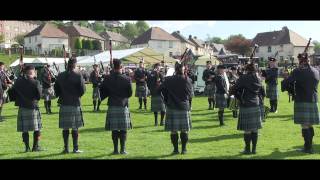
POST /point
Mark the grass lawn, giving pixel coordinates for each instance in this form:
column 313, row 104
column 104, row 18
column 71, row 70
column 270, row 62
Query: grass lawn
column 278, row 139
column 8, row 60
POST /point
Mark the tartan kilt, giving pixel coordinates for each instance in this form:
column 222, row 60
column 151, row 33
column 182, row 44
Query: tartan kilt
column 141, row 91
column 306, row 113
column 118, row 118
column 210, row 90
column 262, row 113
column 96, row 93
column 70, row 117
column 234, row 103
column 249, row 118
column 177, row 120
column 48, row 93
column 221, row 101
column 157, row 104
column 272, row 92
column 28, row 120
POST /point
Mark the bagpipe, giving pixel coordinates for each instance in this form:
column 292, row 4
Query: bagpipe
column 290, row 86
column 51, row 76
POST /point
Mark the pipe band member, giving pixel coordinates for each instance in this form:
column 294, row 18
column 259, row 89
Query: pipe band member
column 155, row 79
column 96, row 80
column 305, row 80
column 4, row 85
column 47, row 85
column 210, row 89
column 271, row 75
column 221, row 92
column 140, row 76
column 193, row 78
column 176, row 92
column 118, row 88
column 248, row 89
column 234, row 104
column 70, row 87
column 27, row 93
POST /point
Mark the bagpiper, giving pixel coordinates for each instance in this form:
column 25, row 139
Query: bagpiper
column 271, row 79
column 305, row 80
column 70, row 87
column 96, row 80
column 155, row 79
column 176, row 92
column 192, row 77
column 247, row 90
column 208, row 76
column 140, row 76
column 47, row 80
column 234, row 104
column 118, row 88
column 4, row 85
column 26, row 92
column 221, row 95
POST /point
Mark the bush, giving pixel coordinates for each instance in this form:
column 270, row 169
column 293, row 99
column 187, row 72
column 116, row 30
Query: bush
column 96, row 45
column 78, row 44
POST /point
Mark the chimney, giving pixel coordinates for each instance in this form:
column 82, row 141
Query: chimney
column 178, row 32
column 190, row 36
column 285, row 28
column 195, row 37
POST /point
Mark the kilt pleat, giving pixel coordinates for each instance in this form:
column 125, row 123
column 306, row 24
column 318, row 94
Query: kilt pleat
column 141, row 91
column 249, row 118
column 96, row 93
column 157, row 104
column 118, row 118
column 70, row 117
column 272, row 92
column 178, row 120
column 306, row 113
column 28, row 120
column 210, row 90
column 221, row 101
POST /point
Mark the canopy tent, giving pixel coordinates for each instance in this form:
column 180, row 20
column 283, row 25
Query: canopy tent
column 128, row 56
column 202, row 60
column 43, row 60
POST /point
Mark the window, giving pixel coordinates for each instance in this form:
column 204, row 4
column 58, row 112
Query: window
column 269, row 48
column 170, row 44
column 170, row 54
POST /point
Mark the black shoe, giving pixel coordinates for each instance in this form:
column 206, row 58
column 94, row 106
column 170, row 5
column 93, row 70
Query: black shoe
column 123, row 152
column 161, row 123
column 27, row 149
column 123, row 138
column 246, row 152
column 77, row 151
column 184, row 140
column 65, row 151
column 247, row 140
column 36, row 149
column 115, row 152
column 254, row 138
column 175, row 152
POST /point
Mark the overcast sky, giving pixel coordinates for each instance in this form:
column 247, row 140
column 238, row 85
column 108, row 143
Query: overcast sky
column 249, row 29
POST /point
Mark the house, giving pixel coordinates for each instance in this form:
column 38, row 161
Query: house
column 158, row 40
column 286, row 42
column 200, row 46
column 112, row 24
column 74, row 32
column 184, row 42
column 218, row 49
column 10, row 29
column 116, row 39
column 45, row 38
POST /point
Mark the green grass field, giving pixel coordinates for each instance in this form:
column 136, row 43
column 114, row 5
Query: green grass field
column 278, row 139
column 8, row 60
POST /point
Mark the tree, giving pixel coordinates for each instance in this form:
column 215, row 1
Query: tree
column 57, row 23
column 78, row 44
column 83, row 23
column 85, row 44
column 1, row 38
column 130, row 31
column 316, row 47
column 98, row 27
column 19, row 39
column 96, row 45
column 238, row 44
column 216, row 40
column 90, row 44
column 142, row 27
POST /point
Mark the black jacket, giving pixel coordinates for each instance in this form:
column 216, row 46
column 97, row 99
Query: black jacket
column 69, row 87
column 221, row 84
column 207, row 74
column 154, row 81
column 3, row 82
column 118, row 88
column 27, row 92
column 95, row 80
column 306, row 84
column 140, row 74
column 46, row 82
column 177, row 91
column 272, row 76
column 249, row 90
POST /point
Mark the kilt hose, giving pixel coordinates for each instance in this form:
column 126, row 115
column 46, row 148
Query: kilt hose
column 48, row 94
column 272, row 92
column 210, row 90
column 28, row 120
column 221, row 101
column 306, row 113
column 70, row 117
column 118, row 118
column 177, row 120
column 141, row 91
column 96, row 94
column 157, row 104
column 249, row 118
